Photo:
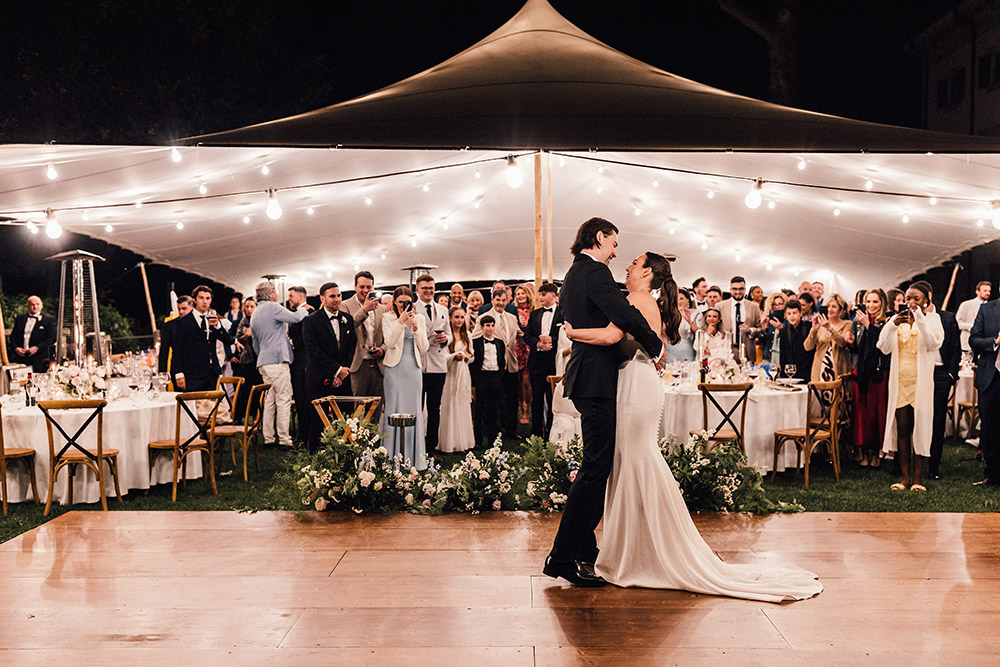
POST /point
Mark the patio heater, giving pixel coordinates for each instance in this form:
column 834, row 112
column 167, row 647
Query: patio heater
column 278, row 280
column 416, row 271
column 78, row 325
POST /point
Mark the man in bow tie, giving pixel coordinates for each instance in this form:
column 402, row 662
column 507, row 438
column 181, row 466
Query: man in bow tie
column 330, row 340
column 541, row 335
column 33, row 336
column 700, row 290
column 435, row 360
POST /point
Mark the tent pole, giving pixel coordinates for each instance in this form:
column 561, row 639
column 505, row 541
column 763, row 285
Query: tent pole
column 149, row 301
column 3, row 339
column 538, row 221
column 951, row 286
column 548, row 205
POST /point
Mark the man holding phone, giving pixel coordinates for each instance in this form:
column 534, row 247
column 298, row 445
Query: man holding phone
column 368, row 366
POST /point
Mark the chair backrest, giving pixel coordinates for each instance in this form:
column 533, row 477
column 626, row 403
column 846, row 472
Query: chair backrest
column 708, row 395
column 828, row 411
column 553, row 381
column 237, row 382
column 252, row 420
column 97, row 408
column 330, row 404
column 186, row 405
column 2, row 455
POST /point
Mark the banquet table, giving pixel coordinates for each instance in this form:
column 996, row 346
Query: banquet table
column 130, row 424
column 768, row 410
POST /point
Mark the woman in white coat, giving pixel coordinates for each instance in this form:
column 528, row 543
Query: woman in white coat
column 912, row 339
column 405, row 343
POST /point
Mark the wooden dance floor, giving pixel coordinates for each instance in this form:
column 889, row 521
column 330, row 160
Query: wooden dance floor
column 138, row 588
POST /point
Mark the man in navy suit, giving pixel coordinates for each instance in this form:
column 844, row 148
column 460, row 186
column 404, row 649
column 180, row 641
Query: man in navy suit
column 591, row 299
column 329, row 339
column 542, row 338
column 194, row 363
column 32, row 337
column 984, row 338
column 945, row 377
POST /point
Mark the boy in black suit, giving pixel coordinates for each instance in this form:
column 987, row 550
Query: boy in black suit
column 488, row 356
column 542, row 336
column 329, row 338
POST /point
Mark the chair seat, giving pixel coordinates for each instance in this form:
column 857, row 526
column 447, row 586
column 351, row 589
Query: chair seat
column 228, row 430
column 801, row 433
column 18, row 453
column 77, row 455
column 965, row 404
column 721, row 434
column 170, row 444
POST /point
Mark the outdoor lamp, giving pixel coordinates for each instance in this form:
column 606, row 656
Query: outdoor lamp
column 273, row 207
column 753, row 197
column 52, row 228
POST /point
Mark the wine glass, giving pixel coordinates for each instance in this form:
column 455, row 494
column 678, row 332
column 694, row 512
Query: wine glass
column 790, row 370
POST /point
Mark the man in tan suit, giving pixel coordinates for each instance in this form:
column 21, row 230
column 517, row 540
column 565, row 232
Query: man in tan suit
column 743, row 315
column 367, row 369
column 506, row 329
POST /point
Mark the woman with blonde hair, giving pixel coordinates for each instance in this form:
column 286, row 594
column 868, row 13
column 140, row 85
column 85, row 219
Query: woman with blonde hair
column 473, row 302
column 406, row 342
column 870, row 387
column 773, row 316
column 525, row 301
column 830, row 337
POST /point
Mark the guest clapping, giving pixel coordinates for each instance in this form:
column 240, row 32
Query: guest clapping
column 912, row 339
column 830, row 337
column 405, row 338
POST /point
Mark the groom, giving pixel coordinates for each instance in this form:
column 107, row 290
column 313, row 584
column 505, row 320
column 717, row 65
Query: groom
column 590, row 299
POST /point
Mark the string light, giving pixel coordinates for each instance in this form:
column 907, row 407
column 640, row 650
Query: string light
column 203, row 189
column 357, row 267
column 768, row 267
column 52, row 228
column 175, row 154
column 32, row 227
column 310, row 210
column 933, row 201
column 138, row 203
column 980, row 223
column 656, row 183
column 329, row 274
column 672, row 231
column 426, row 188
column 478, row 175
column 869, row 185
column 796, row 272
column 85, row 216
column 109, row 228
column 752, row 199
column 738, row 257
column 770, row 204
column 246, row 219
column 368, row 201
column 273, row 209
column 802, row 164
column 711, row 194
column 562, row 161
column 413, row 242
column 513, row 173
column 638, row 212
column 383, row 256
column 265, row 170
column 704, row 245
column 906, row 218
column 600, row 189
column 51, row 172
column 836, row 211
column 600, row 169
column 180, row 225
column 475, row 204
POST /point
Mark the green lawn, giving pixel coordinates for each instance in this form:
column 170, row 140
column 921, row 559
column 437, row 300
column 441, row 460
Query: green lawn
column 859, row 490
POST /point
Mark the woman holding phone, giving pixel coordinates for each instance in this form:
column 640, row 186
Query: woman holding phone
column 405, row 345
column 912, row 339
column 871, row 387
column 774, row 314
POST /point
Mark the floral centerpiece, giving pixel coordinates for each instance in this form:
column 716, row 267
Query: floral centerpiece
column 83, row 381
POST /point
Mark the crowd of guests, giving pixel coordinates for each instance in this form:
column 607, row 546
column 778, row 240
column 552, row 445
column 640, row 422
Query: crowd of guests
column 899, row 355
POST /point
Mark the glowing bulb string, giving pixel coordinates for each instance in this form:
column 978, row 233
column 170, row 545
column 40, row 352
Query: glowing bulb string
column 766, row 181
column 301, row 186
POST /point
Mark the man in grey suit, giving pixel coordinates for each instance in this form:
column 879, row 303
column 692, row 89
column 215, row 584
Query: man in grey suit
column 984, row 338
column 367, row 368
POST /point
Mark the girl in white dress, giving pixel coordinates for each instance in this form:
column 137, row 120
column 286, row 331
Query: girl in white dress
column 455, row 433
column 649, row 537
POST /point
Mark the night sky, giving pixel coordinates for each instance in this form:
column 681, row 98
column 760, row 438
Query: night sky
column 126, row 72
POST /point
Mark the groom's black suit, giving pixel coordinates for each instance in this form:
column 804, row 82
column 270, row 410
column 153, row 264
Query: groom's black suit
column 590, row 299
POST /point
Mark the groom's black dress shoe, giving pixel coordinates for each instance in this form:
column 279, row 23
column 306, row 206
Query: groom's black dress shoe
column 574, row 572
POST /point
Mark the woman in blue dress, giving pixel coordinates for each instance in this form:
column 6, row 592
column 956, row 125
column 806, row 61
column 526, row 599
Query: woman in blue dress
column 405, row 335
column 684, row 349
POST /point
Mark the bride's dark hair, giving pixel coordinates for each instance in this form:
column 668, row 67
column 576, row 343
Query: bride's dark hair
column 663, row 280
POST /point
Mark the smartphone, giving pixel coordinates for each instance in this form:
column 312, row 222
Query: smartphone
column 371, row 296
column 778, row 314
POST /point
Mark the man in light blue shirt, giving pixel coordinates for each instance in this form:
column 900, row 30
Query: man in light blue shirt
column 269, row 330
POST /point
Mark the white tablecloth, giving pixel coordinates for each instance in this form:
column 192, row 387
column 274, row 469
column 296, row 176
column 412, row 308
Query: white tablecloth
column 768, row 410
column 963, row 392
column 130, row 424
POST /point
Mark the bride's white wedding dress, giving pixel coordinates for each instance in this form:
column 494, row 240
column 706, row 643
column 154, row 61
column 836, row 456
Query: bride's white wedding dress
column 649, row 538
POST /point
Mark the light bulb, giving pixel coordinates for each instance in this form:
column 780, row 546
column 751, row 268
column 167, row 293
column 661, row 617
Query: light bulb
column 513, row 173
column 933, row 201
column 770, row 204
column 475, row 204
column 739, row 257
column 52, row 228
column 768, row 267
column 444, row 224
column 869, row 185
column 109, row 228
column 51, row 172
column 368, row 201
column 704, row 245
column 273, row 209
column 638, row 212
column 85, row 216
column 711, row 194
column 673, row 230
column 656, row 183
column 383, row 255
column 32, row 227
column 796, row 272
column 246, row 219
column 478, row 175
column 265, row 170
column 203, row 189
column 562, row 161
column 600, row 189
column 310, row 210
column 329, row 274
column 906, row 218
column 426, row 188
column 802, row 165
column 600, row 170
column 357, row 267
column 980, row 223
column 175, row 154
column 753, row 197
column 413, row 242
column 138, row 203
column 180, row 225
column 836, row 211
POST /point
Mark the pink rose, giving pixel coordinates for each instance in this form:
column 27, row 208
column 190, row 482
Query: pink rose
column 546, row 504
column 427, row 502
column 484, row 475
column 496, row 505
column 572, row 476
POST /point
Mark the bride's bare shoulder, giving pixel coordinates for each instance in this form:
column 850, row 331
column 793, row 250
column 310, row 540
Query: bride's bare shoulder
column 646, row 304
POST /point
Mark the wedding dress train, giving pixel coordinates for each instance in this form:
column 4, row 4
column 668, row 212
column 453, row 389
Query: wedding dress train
column 649, row 538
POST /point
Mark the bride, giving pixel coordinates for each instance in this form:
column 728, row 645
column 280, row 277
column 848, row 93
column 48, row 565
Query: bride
column 649, row 538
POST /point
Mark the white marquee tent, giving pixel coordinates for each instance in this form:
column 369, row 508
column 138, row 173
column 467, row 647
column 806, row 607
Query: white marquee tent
column 418, row 173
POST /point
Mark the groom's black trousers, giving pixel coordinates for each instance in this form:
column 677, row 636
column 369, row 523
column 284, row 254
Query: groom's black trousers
column 585, row 504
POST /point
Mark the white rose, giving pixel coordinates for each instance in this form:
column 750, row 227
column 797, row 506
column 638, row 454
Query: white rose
column 321, row 503
column 378, row 486
column 409, row 499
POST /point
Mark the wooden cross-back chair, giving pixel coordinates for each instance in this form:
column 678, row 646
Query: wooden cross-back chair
column 970, row 408
column 231, row 401
column 329, row 410
column 203, row 439
column 554, row 380
column 709, row 391
column 73, row 454
column 247, row 432
column 24, row 456
column 818, row 431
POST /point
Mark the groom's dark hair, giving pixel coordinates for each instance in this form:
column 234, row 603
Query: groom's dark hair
column 586, row 236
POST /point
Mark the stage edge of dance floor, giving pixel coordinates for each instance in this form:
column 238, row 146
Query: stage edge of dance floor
column 227, row 588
